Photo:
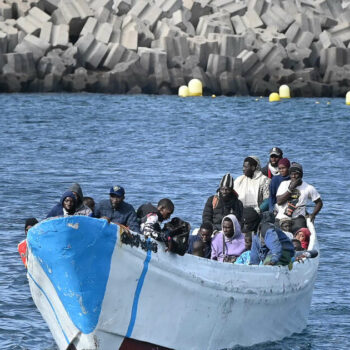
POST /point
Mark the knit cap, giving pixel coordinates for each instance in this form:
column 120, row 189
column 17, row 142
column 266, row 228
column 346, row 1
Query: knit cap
column 285, row 162
column 296, row 167
column 227, row 181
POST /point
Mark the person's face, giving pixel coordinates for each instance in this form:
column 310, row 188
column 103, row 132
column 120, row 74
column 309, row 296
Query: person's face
column 116, row 200
column 227, row 227
column 283, row 170
column 274, row 159
column 225, row 191
column 248, row 170
column 286, row 226
column 27, row 228
column 205, row 234
column 248, row 243
column 300, row 236
column 68, row 204
column 165, row 212
column 295, row 175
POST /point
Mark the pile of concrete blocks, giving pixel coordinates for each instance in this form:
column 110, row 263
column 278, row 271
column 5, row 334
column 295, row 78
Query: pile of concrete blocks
column 235, row 47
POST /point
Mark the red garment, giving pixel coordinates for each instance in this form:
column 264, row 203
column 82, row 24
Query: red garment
column 22, row 249
column 307, row 234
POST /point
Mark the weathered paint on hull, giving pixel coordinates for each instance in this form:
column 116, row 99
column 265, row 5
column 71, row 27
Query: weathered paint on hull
column 160, row 298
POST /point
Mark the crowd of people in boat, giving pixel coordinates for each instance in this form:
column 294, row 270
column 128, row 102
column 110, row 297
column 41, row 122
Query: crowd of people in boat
column 257, row 218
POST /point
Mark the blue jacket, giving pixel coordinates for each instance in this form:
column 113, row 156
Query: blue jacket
column 124, row 215
column 57, row 210
column 272, row 244
column 274, row 184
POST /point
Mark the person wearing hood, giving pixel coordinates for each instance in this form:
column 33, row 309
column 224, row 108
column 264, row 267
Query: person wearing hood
column 271, row 246
column 229, row 243
column 115, row 209
column 66, row 207
column 253, row 186
column 283, row 169
column 82, row 208
column 292, row 197
column 303, row 236
column 271, row 168
column 224, row 202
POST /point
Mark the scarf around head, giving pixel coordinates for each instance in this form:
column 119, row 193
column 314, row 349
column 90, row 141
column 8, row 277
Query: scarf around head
column 307, row 234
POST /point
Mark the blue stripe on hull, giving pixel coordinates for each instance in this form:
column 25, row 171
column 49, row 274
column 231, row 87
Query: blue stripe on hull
column 137, row 294
column 53, row 309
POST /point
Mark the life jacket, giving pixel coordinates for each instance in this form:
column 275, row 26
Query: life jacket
column 22, row 250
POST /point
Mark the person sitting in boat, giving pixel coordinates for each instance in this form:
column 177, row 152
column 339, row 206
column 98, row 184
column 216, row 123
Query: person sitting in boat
column 253, row 186
column 224, row 202
column 271, row 168
column 204, row 235
column 198, row 249
column 303, row 236
column 89, row 202
column 151, row 217
column 251, row 220
column 116, row 210
column 286, row 226
column 297, row 245
column 293, row 196
column 29, row 223
column 244, row 258
column 80, row 207
column 283, row 169
column 22, row 246
column 270, row 245
column 229, row 243
column 66, row 207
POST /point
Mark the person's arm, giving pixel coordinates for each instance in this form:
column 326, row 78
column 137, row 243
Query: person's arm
column 254, row 253
column 273, row 243
column 318, row 207
column 208, row 211
column 214, row 254
column 272, row 197
column 283, row 198
column 132, row 222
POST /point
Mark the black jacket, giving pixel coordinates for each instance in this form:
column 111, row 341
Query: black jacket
column 215, row 212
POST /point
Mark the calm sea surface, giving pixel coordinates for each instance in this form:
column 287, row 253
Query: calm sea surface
column 168, row 147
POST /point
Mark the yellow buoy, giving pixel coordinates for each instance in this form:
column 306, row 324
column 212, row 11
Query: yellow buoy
column 317, row 102
column 274, row 97
column 195, row 87
column 213, row 96
column 183, row 91
column 347, row 98
column 284, row 91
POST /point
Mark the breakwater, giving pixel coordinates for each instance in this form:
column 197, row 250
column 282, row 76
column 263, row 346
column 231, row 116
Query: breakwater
column 235, row 47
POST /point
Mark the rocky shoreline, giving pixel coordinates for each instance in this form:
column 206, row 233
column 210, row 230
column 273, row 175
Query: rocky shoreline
column 235, row 47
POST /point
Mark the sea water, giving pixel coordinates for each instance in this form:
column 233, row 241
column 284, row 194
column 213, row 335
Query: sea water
column 166, row 146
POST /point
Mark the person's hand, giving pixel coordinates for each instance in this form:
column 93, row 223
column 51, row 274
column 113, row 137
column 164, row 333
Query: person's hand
column 300, row 258
column 294, row 184
column 106, row 218
column 312, row 217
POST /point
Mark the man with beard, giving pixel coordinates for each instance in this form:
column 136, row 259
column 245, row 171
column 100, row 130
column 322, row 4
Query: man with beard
column 116, row 210
column 223, row 203
column 253, row 186
column 271, row 168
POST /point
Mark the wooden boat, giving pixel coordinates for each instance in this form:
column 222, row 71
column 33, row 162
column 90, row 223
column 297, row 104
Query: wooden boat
column 100, row 288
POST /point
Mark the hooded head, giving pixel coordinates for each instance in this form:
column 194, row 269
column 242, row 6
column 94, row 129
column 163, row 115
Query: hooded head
column 71, row 206
column 76, row 189
column 235, row 231
column 303, row 235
